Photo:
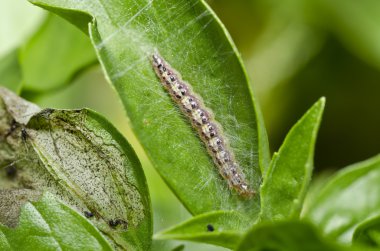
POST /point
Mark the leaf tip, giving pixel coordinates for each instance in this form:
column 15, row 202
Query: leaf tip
column 318, row 107
column 320, row 104
column 322, row 101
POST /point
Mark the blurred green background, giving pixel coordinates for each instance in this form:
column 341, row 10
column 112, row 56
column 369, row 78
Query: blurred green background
column 294, row 50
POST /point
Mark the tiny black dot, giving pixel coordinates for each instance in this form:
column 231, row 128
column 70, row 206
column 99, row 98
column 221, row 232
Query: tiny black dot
column 113, row 223
column 118, row 222
column 210, row 228
column 88, row 214
column 24, row 134
column 11, row 171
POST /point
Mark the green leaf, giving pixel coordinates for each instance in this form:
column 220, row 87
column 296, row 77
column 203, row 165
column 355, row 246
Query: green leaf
column 368, row 232
column 48, row 224
column 219, row 228
column 179, row 248
column 10, row 72
column 189, row 36
column 12, row 200
column 349, row 198
column 54, row 55
column 286, row 236
column 82, row 159
column 289, row 174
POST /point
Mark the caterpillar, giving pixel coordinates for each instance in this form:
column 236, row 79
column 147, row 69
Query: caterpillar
column 202, row 120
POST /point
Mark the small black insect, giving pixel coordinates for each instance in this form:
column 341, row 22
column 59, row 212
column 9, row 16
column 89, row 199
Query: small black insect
column 113, row 223
column 88, row 214
column 117, row 222
column 24, row 134
column 11, row 171
column 210, row 228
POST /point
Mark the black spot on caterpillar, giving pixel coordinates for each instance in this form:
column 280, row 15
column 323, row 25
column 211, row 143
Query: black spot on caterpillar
column 202, row 120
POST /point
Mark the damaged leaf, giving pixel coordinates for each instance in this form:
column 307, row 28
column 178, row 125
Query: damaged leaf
column 79, row 157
